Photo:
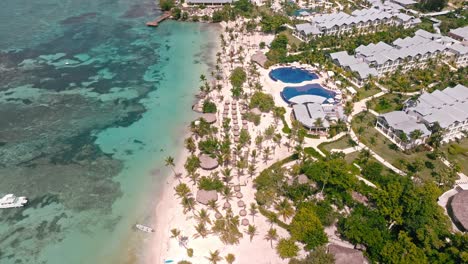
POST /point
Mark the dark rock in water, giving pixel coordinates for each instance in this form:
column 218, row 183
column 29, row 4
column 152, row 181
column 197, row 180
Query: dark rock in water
column 78, row 19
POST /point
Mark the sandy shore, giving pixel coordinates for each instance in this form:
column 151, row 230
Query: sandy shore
column 169, row 212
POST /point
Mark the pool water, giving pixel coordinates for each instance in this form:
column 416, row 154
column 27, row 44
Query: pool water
column 292, row 75
column 310, row 89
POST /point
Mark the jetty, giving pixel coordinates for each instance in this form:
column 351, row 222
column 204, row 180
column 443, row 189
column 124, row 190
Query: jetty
column 159, row 19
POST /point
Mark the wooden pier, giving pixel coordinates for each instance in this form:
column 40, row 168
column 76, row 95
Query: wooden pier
column 158, row 20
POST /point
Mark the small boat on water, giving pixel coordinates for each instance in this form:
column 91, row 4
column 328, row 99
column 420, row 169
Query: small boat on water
column 143, row 228
column 11, row 201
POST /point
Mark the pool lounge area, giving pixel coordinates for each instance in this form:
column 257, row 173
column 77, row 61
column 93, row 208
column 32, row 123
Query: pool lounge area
column 308, row 89
column 292, row 75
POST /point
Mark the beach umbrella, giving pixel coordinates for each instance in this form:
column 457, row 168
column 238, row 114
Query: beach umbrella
column 236, row 133
column 243, row 212
column 244, row 122
column 237, row 188
column 236, row 128
column 226, row 205
column 226, row 107
column 236, row 139
column 234, row 120
column 241, row 203
column 226, row 102
column 246, row 127
column 218, row 215
column 245, row 222
column 239, row 195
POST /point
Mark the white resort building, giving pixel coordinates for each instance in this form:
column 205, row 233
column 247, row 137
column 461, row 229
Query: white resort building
column 209, row 2
column 404, row 54
column 359, row 21
column 448, row 108
column 317, row 112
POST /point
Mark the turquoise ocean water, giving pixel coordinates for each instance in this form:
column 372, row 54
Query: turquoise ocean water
column 91, row 102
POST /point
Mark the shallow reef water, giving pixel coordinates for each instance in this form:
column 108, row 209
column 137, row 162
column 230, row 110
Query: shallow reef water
column 91, row 101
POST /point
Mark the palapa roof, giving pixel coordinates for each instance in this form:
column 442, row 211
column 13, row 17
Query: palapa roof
column 209, row 117
column 459, row 207
column 345, row 255
column 302, row 179
column 256, row 111
column 204, row 197
column 207, row 162
column 259, row 58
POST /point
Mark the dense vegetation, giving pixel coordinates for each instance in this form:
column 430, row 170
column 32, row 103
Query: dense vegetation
column 262, row 101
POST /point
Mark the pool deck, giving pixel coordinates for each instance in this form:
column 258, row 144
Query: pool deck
column 276, row 87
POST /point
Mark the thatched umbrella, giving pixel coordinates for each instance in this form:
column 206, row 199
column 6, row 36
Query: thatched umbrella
column 234, row 120
column 237, row 188
column 226, row 205
column 246, row 127
column 236, row 139
column 256, row 111
column 239, row 195
column 302, row 179
column 243, row 212
column 236, row 133
column 244, row 122
column 226, row 103
column 234, row 107
column 241, row 203
column 245, row 222
column 209, row 117
column 207, row 162
column 218, row 216
column 204, row 197
column 236, row 128
column 226, row 107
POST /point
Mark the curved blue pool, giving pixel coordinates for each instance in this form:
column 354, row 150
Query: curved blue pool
column 312, row 89
column 292, row 75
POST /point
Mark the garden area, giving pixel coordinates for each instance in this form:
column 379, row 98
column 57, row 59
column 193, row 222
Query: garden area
column 457, row 152
column 341, row 143
column 419, row 162
column 388, row 103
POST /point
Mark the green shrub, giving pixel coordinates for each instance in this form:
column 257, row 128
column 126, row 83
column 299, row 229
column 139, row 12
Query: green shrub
column 190, row 252
column 209, row 107
column 262, row 101
column 286, row 248
column 210, row 184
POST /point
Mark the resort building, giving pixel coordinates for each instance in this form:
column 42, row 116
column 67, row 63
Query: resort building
column 359, row 21
column 460, row 34
column 403, row 54
column 447, row 109
column 316, row 112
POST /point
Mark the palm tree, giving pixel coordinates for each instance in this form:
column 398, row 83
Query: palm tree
column 182, row 190
column 227, row 193
column 251, row 170
column 266, row 154
column 170, row 163
column 230, row 258
column 190, row 145
column 203, row 216
column 188, row 203
column 214, row 257
column 318, row 123
column 251, row 231
column 227, row 177
column 213, row 205
column 285, row 209
column 416, row 134
column 253, row 210
column 201, row 229
column 271, row 236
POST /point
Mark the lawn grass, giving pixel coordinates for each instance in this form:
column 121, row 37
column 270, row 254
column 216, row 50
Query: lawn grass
column 406, row 162
column 341, row 143
column 387, row 103
column 460, row 157
column 363, row 93
column 291, row 39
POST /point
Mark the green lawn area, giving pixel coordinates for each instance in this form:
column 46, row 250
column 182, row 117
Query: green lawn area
column 351, row 157
column 458, row 153
column 291, row 39
column 388, row 103
column 363, row 93
column 415, row 162
column 340, row 143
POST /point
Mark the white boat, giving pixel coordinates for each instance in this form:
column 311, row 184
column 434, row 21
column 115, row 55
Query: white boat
column 143, row 228
column 11, row 201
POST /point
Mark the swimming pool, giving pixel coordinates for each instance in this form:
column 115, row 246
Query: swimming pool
column 311, row 89
column 292, row 75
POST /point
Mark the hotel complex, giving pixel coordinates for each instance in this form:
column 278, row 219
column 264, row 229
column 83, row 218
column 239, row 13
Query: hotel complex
column 359, row 21
column 448, row 108
column 404, row 54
